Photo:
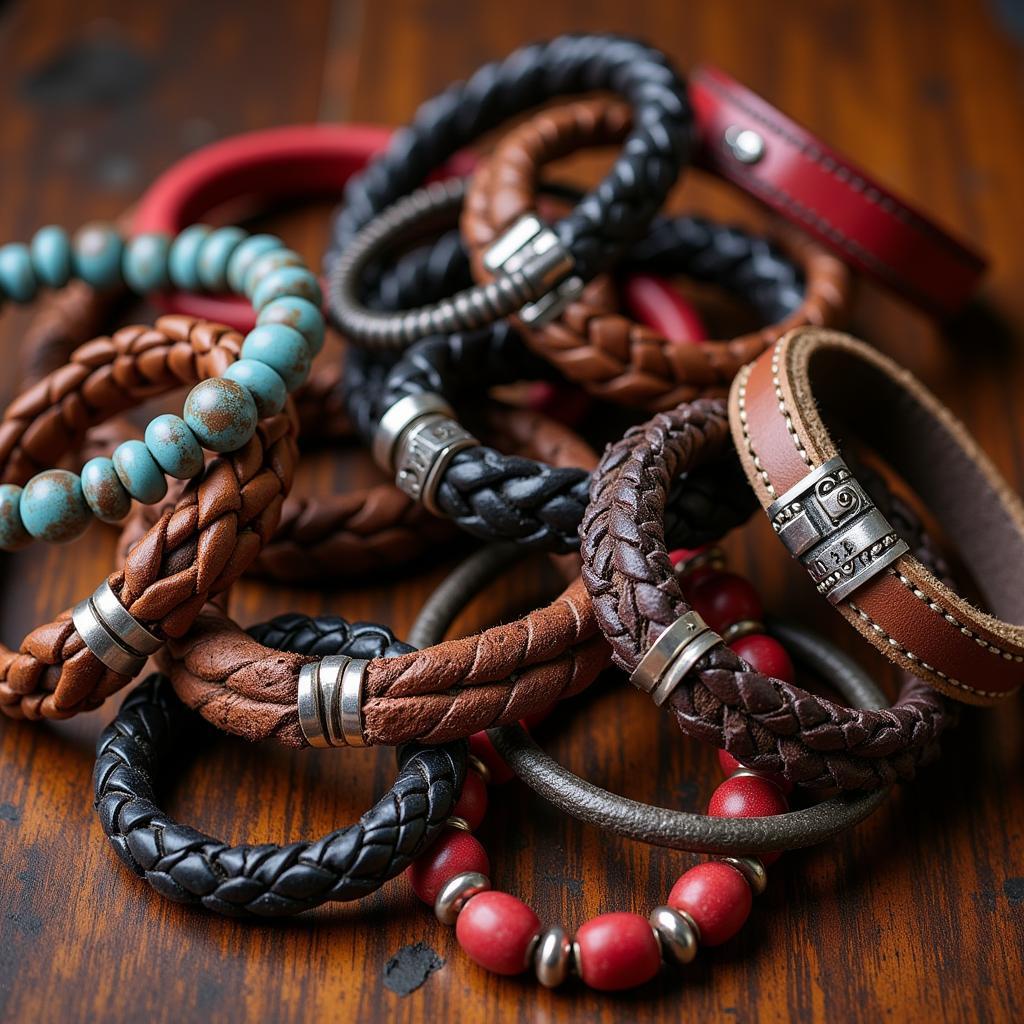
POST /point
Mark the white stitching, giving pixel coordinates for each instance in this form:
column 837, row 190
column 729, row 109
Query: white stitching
column 741, row 403
column 797, row 443
column 910, row 656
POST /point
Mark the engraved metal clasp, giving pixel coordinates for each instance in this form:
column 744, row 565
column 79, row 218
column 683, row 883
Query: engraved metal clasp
column 829, row 522
column 533, row 249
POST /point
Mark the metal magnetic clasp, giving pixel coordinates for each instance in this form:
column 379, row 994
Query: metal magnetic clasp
column 829, row 522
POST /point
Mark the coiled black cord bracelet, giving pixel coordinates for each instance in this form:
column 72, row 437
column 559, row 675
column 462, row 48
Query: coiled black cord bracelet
column 591, row 236
column 266, row 880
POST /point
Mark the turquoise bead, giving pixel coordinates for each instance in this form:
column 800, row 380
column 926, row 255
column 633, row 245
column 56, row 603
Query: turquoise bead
column 174, row 447
column 13, row 534
column 51, row 256
column 242, row 258
column 221, row 413
column 145, row 263
column 266, row 264
column 263, row 383
column 139, row 472
column 214, row 256
column 287, row 281
column 104, row 492
column 17, row 278
column 96, row 255
column 53, row 507
column 298, row 313
column 184, row 259
column 283, row 349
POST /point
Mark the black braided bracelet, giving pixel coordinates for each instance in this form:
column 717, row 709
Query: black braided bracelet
column 267, row 880
column 608, row 217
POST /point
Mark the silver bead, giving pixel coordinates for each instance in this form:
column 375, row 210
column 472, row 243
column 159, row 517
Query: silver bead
column 456, row 893
column 738, row 630
column 677, row 932
column 330, row 701
column 745, row 144
column 474, row 762
column 752, row 869
column 112, row 633
column 551, row 957
column 454, row 821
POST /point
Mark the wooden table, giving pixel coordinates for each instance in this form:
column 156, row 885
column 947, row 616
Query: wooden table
column 917, row 915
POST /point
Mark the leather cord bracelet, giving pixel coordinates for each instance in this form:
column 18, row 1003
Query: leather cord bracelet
column 785, row 409
column 750, row 143
column 581, row 244
column 767, row 724
column 591, row 342
column 267, row 880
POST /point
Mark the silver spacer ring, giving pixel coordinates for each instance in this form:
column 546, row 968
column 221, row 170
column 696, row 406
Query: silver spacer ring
column 672, row 655
column 398, row 419
column 114, row 636
column 330, row 701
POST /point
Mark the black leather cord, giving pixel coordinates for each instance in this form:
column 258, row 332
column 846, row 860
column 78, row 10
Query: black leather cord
column 607, row 218
column 267, row 880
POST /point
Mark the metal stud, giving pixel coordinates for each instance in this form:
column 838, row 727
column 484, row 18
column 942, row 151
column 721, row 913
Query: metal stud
column 551, row 957
column 677, row 933
column 746, row 145
column 456, row 893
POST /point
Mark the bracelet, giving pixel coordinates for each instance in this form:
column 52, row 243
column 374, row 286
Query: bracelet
column 219, row 414
column 750, row 143
column 267, row 880
column 545, row 266
column 764, row 722
column 591, row 342
column 782, row 408
column 488, row 494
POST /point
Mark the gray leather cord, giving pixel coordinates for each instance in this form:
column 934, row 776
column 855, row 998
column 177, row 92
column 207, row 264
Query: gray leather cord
column 659, row 826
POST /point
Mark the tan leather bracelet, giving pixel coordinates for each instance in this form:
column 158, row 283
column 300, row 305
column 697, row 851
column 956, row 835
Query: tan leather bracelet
column 591, row 342
column 782, row 410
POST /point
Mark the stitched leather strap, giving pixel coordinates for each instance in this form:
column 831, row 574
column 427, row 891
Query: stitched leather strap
column 783, row 410
column 826, row 194
column 766, row 723
column 592, row 342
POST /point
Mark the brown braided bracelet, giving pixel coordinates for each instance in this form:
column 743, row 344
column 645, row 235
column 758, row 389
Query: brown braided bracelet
column 766, row 723
column 591, row 342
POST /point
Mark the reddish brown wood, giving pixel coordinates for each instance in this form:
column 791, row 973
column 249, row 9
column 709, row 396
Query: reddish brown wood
column 917, row 915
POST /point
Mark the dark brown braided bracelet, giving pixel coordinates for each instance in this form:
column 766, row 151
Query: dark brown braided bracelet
column 766, row 723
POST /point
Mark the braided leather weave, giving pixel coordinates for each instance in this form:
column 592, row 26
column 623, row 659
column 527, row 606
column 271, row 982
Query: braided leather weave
column 608, row 217
column 591, row 341
column 500, row 497
column 768, row 724
column 198, row 549
column 266, row 880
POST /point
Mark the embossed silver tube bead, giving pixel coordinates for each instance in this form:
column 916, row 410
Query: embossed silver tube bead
column 456, row 893
column 112, row 633
column 552, row 956
column 830, row 524
column 330, row 701
column 424, row 452
column 676, row 933
column 397, row 420
column 672, row 655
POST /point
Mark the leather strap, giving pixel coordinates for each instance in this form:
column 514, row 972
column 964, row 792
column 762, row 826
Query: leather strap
column 783, row 409
column 826, row 194
column 592, row 342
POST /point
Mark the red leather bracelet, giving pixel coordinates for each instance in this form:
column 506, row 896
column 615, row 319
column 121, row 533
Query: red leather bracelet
column 753, row 145
column 304, row 161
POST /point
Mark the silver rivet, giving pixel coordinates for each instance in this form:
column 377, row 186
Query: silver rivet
column 746, row 145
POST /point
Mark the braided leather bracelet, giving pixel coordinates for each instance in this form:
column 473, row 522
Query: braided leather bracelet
column 539, row 263
column 784, row 408
column 765, row 723
column 267, row 880
column 591, row 342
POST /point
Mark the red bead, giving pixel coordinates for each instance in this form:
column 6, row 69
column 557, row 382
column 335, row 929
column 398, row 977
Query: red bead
column 472, row 803
column 496, row 930
column 728, row 763
column 456, row 851
column 717, row 897
column 480, row 744
column 618, row 951
column 766, row 655
column 749, row 796
column 724, row 599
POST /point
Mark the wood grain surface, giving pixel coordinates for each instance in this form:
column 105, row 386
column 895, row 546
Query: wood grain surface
column 916, row 915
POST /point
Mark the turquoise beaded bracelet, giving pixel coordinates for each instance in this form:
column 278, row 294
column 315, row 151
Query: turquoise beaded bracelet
column 220, row 414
